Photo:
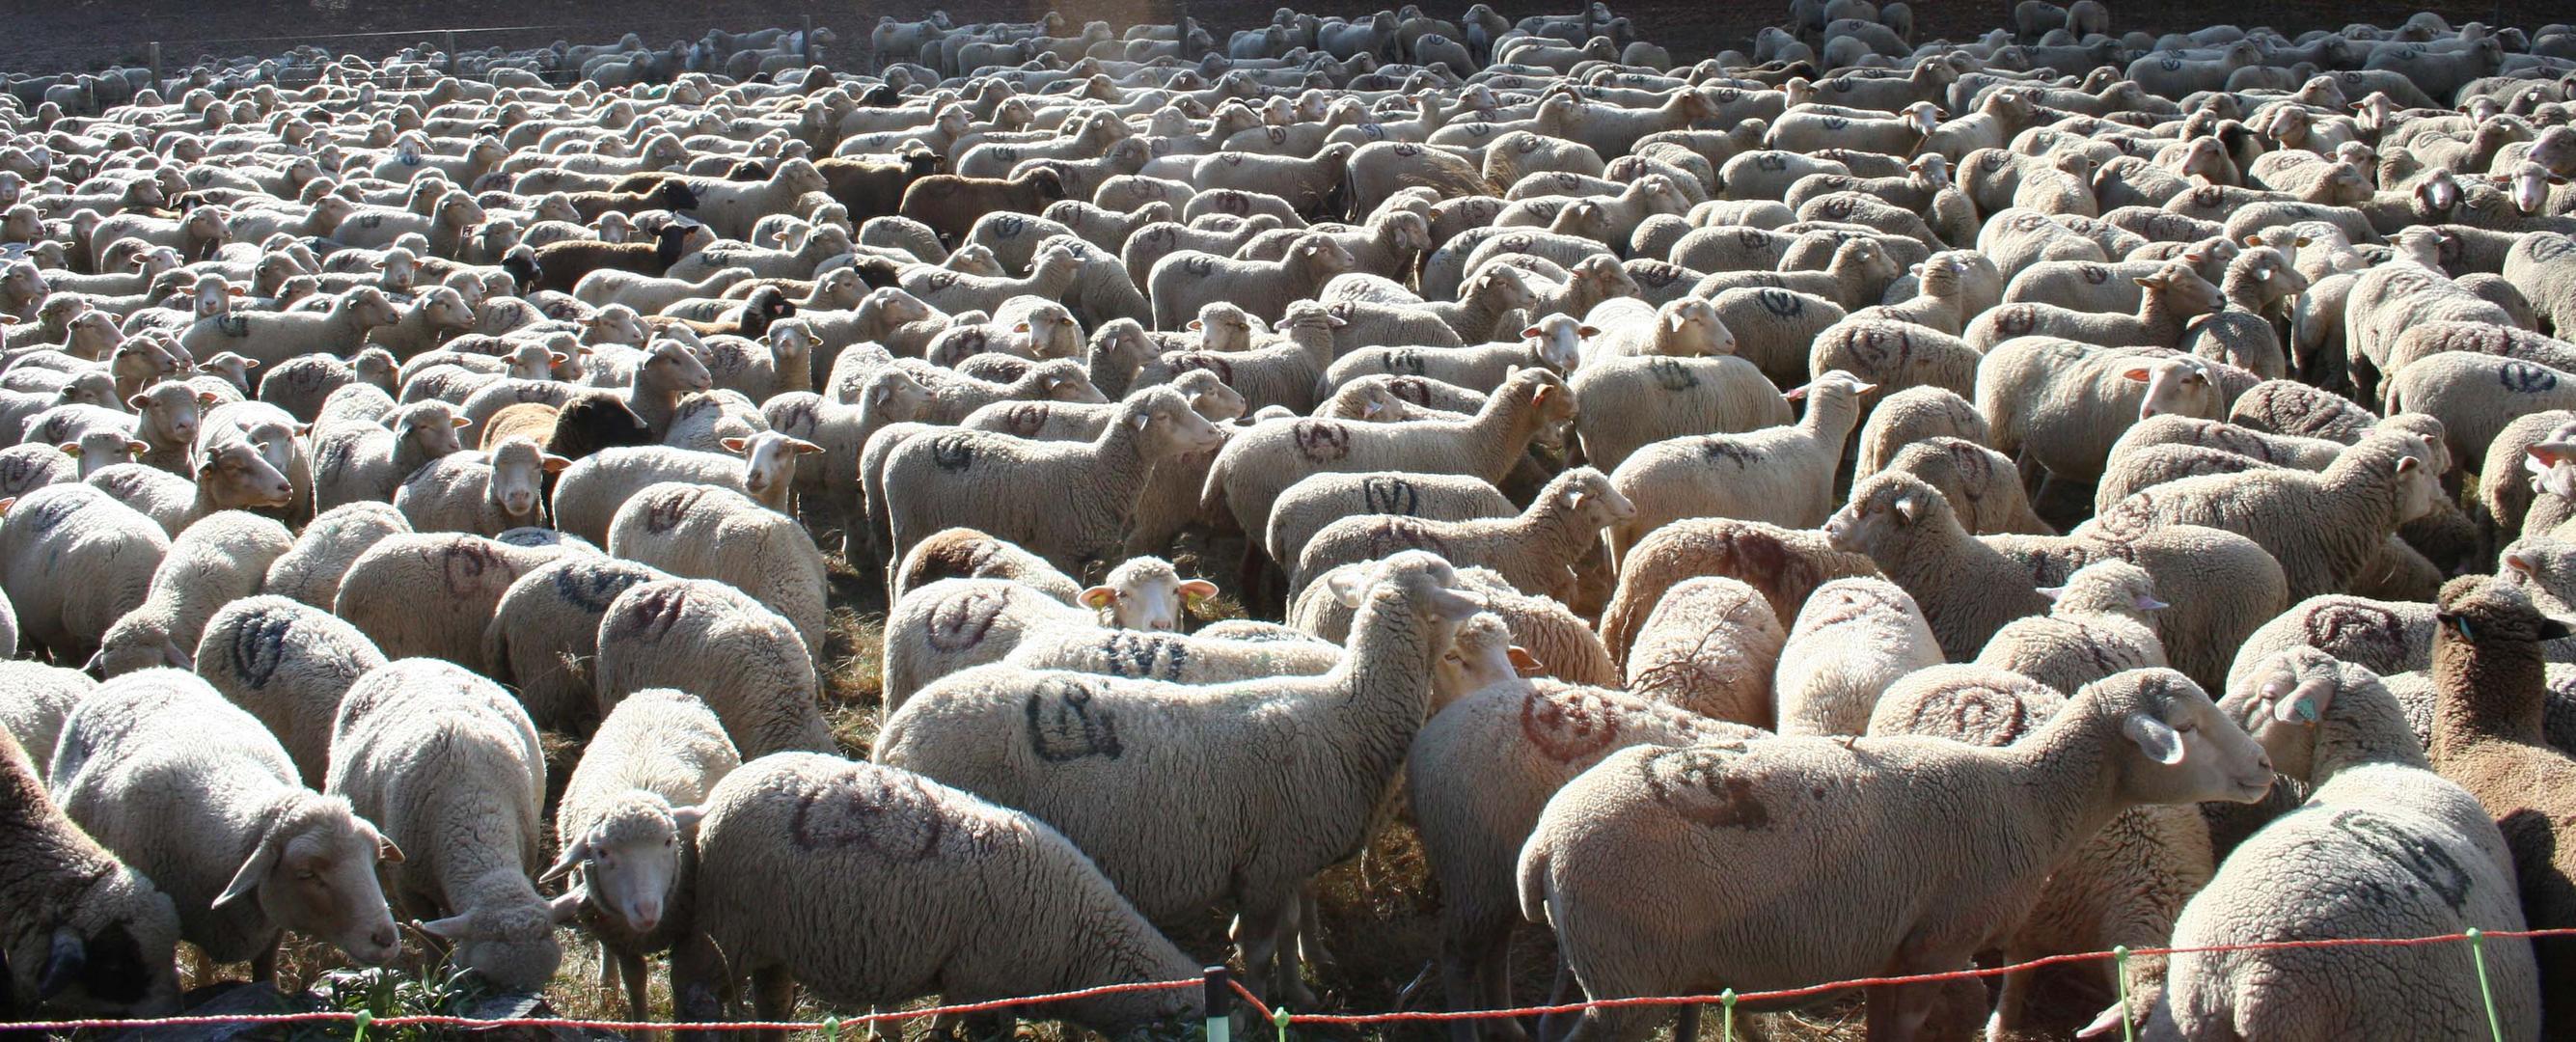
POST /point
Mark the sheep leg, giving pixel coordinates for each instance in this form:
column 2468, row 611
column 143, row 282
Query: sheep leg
column 773, row 995
column 1310, row 927
column 1260, row 927
column 631, row 966
column 2009, row 1004
column 1494, row 987
column 263, row 966
column 1686, row 1024
column 1462, row 982
column 1553, row 1027
column 1897, row 1012
column 607, row 969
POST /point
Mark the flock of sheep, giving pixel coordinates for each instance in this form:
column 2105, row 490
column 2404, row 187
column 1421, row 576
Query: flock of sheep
column 1864, row 506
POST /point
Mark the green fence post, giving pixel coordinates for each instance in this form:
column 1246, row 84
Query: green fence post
column 831, row 1029
column 2120, row 958
column 1726, row 1016
column 2486, row 991
column 1280, row 1017
column 363, row 1019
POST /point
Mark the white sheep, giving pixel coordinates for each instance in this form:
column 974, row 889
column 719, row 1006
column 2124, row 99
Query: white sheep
column 1709, row 647
column 355, row 462
column 1534, row 550
column 481, row 492
column 706, row 532
column 287, row 664
column 197, row 796
column 1942, row 872
column 2064, row 404
column 77, row 561
column 447, row 764
column 430, row 594
column 544, row 635
column 976, row 728
column 310, row 571
column 588, row 493
column 1626, row 403
column 626, row 816
column 2097, row 625
column 662, row 633
column 1782, row 475
column 216, row 561
column 1852, row 639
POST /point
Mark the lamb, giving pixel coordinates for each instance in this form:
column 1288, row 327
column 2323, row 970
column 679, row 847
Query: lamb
column 2348, row 511
column 1639, row 400
column 2097, row 625
column 1964, row 867
column 1967, row 584
column 970, row 865
column 1679, row 328
column 968, row 727
column 367, row 463
column 659, row 633
column 390, row 591
column 1286, row 374
column 632, row 803
column 1709, row 647
column 77, row 561
column 220, row 559
column 1852, row 639
column 1478, row 775
column 1319, row 500
column 2058, row 406
column 932, row 483
column 710, row 532
column 1257, row 464
column 2376, row 816
column 1534, row 551
column 198, row 797
column 589, row 491
column 1554, row 342
column 485, row 493
column 1781, row 475
column 1181, row 283
column 2488, row 737
column 310, row 571
column 1858, row 275
column 88, row 934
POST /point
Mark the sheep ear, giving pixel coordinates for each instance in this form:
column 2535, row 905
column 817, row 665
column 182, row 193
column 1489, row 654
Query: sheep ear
column 566, row 908
column 733, row 444
column 574, row 853
column 65, row 959
column 1195, row 590
column 136, row 448
column 553, row 464
column 451, row 928
column 1523, row 661
column 2146, row 602
column 137, row 402
column 70, row 448
column 206, row 398
column 1098, row 597
column 2304, row 704
column 2555, row 629
column 1347, row 587
column 2154, row 737
column 459, row 422
column 804, row 448
column 1532, row 332
column 176, row 656
column 2408, row 464
column 2520, row 561
column 1021, row 328
column 254, row 871
column 2149, row 281
column 1796, row 393
column 1908, row 509
column 2052, row 592
column 1589, row 331
column 2139, row 374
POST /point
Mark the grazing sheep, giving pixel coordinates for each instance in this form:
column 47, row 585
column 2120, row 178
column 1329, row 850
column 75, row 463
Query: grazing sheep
column 974, row 727
column 430, row 594
column 216, row 561
column 198, row 797
column 1980, row 482
column 77, row 561
column 1853, row 639
column 662, row 633
column 447, row 764
column 951, row 883
column 2057, row 406
column 287, row 664
column 544, row 636
column 87, row 933
column 2376, row 821
column 366, row 462
column 1965, row 857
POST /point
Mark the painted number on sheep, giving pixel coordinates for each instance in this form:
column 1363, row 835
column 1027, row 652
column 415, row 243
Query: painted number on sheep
column 2435, row 866
column 259, row 647
column 1065, row 724
column 1321, row 441
column 960, row 622
column 1569, row 724
column 884, row 812
column 1694, row 783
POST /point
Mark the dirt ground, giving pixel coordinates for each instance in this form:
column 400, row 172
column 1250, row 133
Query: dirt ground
column 50, row 35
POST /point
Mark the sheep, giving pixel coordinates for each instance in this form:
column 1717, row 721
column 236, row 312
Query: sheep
column 1378, row 693
column 1786, row 565
column 1852, row 639
column 658, row 633
column 2097, row 625
column 366, row 462
column 2476, row 395
column 589, row 491
column 1636, row 401
column 1709, row 647
column 1319, row 500
column 1182, row 282
column 2162, row 732
column 2409, row 290
column 976, row 863
column 544, row 635
column 710, row 532
column 1553, row 342
column 2175, row 294
column 1153, row 425
column 287, row 664
column 2487, row 736
column 218, row 560
column 2376, row 816
column 392, row 592
column 1478, row 775
column 1781, row 475
column 1858, row 275
column 2062, row 404
column 485, row 493
column 1535, row 551
column 1894, row 355
column 1979, row 482
column 1912, row 415
column 2229, row 584
column 2353, row 506
column 631, row 805
column 951, row 204
column 77, row 561
column 1259, row 463
column 270, row 338
column 196, row 795
column 1678, row 328
column 310, row 571
column 88, row 933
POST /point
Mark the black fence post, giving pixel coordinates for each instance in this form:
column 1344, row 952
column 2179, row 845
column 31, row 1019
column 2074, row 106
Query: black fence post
column 1220, row 1006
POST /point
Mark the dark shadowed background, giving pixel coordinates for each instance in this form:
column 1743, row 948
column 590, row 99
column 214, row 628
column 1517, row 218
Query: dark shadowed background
column 50, row 35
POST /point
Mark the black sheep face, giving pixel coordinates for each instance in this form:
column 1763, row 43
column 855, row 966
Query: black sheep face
column 676, row 195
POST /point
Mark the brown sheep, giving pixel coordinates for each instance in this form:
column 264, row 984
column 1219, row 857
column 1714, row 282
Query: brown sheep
column 951, row 205
column 751, row 321
column 671, row 194
column 2490, row 695
column 868, row 189
column 534, row 421
column 559, row 265
column 596, row 420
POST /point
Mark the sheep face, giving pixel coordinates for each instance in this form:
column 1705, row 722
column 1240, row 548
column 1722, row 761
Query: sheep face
column 519, row 470
column 768, row 459
column 431, row 427
column 103, row 448
column 1223, row 327
column 1558, row 341
column 1887, row 512
column 513, row 947
column 1480, row 655
column 2176, row 387
column 674, row 365
column 1145, row 594
column 238, row 475
column 2281, row 701
column 1209, row 396
column 2180, row 749
column 314, row 872
column 630, row 859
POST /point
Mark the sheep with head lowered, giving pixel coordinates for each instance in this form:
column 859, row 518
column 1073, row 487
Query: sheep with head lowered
column 447, row 764
column 85, row 933
column 662, row 633
column 215, row 562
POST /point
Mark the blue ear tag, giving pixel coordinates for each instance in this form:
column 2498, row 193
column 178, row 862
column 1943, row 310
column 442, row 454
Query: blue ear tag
column 2307, row 709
